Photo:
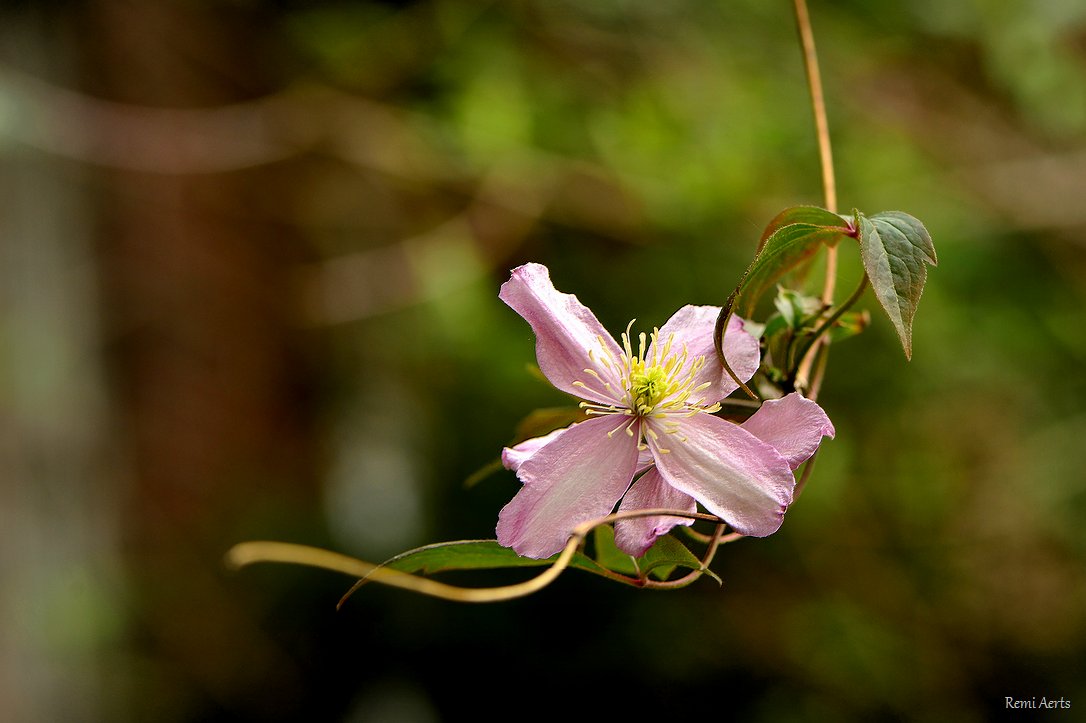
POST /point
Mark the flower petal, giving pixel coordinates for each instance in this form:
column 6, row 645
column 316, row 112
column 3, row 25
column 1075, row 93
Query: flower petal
column 794, row 426
column 644, row 460
column 513, row 457
column 579, row 476
column 735, row 475
column 635, row 536
column 693, row 326
column 565, row 331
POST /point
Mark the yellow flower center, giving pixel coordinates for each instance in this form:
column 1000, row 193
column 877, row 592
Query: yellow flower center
column 648, row 385
column 656, row 381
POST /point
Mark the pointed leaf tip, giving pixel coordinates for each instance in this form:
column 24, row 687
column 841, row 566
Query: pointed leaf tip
column 896, row 250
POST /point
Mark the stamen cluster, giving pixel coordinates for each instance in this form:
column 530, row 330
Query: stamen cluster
column 657, row 380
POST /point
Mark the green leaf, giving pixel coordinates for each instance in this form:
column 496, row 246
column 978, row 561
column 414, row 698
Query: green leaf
column 459, row 555
column 473, row 555
column 660, row 560
column 896, row 249
column 850, row 324
column 777, row 324
column 791, row 238
column 785, row 249
column 607, row 553
column 795, row 308
column 811, row 215
column 666, row 555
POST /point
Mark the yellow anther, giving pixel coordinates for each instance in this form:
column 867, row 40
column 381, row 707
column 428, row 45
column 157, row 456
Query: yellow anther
column 657, row 382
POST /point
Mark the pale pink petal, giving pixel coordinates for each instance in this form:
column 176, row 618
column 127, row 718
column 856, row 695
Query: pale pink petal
column 635, row 536
column 735, row 475
column 513, row 457
column 579, row 476
column 644, row 460
column 693, row 326
column 565, row 331
column 794, row 426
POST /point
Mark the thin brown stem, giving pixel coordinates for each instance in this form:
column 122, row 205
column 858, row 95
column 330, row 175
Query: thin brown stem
column 248, row 553
column 820, row 338
column 825, row 155
column 718, row 342
column 704, row 539
column 818, row 104
column 819, row 372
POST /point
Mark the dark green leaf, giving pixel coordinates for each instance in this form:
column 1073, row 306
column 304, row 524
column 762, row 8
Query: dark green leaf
column 608, row 555
column 470, row 555
column 776, row 325
column 660, row 560
column 811, row 215
column 782, row 251
column 896, row 248
column 793, row 236
column 666, row 555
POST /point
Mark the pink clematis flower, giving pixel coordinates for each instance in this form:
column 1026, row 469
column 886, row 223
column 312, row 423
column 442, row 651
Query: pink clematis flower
column 651, row 402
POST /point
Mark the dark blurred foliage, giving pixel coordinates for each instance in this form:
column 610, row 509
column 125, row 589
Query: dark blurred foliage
column 251, row 253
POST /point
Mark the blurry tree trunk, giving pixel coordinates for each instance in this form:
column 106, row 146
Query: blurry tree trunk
column 210, row 382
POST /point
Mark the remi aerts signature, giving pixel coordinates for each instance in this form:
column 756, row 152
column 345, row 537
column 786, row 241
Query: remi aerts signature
column 1036, row 703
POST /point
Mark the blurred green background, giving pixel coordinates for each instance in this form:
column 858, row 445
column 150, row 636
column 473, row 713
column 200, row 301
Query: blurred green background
column 249, row 258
